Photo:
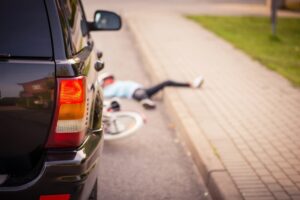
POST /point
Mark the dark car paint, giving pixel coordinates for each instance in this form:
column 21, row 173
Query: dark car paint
column 57, row 171
column 29, row 110
column 63, row 172
column 26, row 107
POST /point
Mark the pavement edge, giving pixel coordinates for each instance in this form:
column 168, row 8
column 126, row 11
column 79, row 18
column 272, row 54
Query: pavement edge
column 216, row 177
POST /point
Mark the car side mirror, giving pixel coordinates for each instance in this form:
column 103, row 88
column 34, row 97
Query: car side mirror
column 105, row 21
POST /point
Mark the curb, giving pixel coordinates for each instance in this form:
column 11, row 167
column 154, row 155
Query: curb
column 216, row 177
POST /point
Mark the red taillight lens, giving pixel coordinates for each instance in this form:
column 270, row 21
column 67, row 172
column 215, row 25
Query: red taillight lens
column 55, row 197
column 71, row 91
column 69, row 122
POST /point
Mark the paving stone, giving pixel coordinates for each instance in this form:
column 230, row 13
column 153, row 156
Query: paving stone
column 243, row 173
column 253, row 186
column 246, row 178
column 260, row 198
column 281, row 195
column 263, row 172
column 293, row 174
column 268, row 179
column 294, row 161
column 278, row 158
column 262, row 193
column 257, row 190
column 296, row 197
column 280, row 175
column 273, row 168
column 285, row 182
column 252, row 159
column 257, row 166
column 245, row 183
column 268, row 161
column 292, row 190
column 275, row 187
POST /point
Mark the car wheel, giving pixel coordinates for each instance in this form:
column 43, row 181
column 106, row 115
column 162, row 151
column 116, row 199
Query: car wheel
column 93, row 195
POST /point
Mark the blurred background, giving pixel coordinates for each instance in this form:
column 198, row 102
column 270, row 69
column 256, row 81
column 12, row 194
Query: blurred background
column 238, row 137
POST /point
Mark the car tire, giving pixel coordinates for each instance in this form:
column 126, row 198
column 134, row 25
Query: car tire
column 93, row 195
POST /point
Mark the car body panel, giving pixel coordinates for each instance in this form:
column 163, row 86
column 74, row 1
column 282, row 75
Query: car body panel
column 26, row 106
column 64, row 172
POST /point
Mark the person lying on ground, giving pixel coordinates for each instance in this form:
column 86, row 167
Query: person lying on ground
column 134, row 90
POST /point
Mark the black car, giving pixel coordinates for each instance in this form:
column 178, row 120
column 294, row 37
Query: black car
column 50, row 101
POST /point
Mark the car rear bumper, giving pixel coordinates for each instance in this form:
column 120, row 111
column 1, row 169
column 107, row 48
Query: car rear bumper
column 71, row 172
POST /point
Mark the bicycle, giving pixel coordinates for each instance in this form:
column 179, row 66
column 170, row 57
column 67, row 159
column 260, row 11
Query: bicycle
column 119, row 124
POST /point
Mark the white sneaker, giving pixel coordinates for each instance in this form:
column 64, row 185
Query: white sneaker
column 148, row 104
column 197, row 82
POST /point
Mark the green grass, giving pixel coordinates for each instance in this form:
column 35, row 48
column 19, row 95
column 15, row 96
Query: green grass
column 253, row 35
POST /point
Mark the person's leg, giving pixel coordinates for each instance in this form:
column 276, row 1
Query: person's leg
column 156, row 88
column 141, row 96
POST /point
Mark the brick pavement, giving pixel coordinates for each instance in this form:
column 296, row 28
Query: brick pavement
column 249, row 115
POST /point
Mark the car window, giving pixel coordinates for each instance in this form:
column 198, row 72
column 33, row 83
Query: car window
column 24, row 29
column 76, row 23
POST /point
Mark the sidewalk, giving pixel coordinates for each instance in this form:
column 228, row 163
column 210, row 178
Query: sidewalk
column 243, row 126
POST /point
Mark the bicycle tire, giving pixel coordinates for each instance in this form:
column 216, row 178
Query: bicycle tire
column 118, row 128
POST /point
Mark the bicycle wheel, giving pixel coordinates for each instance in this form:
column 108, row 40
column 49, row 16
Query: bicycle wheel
column 122, row 124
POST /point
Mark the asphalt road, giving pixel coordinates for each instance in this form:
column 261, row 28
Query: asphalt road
column 152, row 164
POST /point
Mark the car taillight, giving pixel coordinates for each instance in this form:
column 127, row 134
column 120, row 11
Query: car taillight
column 55, row 197
column 69, row 120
